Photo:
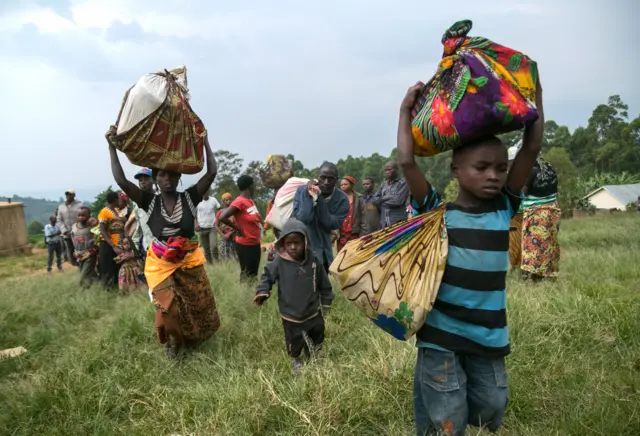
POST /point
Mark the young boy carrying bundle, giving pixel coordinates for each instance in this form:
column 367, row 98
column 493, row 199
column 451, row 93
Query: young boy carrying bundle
column 460, row 376
column 303, row 286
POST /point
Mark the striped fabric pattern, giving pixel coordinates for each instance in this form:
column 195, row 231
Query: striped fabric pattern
column 469, row 314
column 531, row 201
column 172, row 226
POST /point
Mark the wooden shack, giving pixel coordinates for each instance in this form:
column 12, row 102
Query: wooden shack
column 13, row 229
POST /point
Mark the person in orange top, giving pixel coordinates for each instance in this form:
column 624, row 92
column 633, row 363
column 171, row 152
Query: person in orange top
column 351, row 225
column 112, row 220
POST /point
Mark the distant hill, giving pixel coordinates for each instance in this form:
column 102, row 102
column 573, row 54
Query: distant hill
column 35, row 209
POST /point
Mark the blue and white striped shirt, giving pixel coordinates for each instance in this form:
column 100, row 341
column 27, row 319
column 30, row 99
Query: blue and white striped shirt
column 469, row 314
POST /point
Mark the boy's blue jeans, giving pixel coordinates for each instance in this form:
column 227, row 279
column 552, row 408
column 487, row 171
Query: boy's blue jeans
column 452, row 390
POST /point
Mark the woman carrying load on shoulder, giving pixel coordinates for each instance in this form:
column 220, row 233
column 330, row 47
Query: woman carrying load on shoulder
column 186, row 312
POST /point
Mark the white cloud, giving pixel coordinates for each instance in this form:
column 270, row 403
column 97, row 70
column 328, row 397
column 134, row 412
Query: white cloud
column 319, row 80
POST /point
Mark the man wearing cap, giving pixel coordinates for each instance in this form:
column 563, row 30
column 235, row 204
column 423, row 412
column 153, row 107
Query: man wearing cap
column 142, row 235
column 67, row 215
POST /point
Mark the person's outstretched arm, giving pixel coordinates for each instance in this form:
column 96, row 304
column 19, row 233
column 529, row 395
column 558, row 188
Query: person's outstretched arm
column 205, row 182
column 528, row 153
column 129, row 188
column 417, row 182
column 267, row 280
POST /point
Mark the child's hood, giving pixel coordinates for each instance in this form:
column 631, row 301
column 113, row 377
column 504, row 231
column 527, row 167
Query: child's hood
column 292, row 226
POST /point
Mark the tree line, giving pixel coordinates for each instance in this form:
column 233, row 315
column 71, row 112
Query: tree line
column 605, row 152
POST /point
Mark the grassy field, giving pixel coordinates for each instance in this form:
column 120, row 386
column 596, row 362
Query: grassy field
column 92, row 366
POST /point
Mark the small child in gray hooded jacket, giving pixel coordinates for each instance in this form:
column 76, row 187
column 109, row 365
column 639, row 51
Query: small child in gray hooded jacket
column 304, row 290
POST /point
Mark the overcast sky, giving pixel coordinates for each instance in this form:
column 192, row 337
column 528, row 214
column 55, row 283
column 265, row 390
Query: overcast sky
column 320, row 79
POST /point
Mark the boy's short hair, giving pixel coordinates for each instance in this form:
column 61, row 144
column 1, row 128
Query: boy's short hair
column 85, row 208
column 460, row 151
column 369, row 179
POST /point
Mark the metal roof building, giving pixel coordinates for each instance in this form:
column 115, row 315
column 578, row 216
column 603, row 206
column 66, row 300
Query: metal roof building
column 614, row 196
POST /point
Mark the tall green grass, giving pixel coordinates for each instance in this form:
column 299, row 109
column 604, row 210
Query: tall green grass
column 92, row 366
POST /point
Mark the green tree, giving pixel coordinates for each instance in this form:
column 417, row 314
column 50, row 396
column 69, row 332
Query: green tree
column 35, row 228
column 567, row 177
column 229, row 169
column 512, row 138
column 437, row 169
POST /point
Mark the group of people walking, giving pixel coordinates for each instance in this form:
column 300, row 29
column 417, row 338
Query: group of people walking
column 464, row 339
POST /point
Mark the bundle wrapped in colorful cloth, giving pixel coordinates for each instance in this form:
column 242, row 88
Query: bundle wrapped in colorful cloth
column 480, row 88
column 393, row 275
column 277, row 171
column 283, row 203
column 156, row 126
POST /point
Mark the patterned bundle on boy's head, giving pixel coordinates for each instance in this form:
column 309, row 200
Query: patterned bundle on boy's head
column 481, row 88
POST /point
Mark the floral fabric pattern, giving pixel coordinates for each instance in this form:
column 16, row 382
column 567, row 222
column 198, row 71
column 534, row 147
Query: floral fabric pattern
column 515, row 242
column 276, row 172
column 480, row 88
column 540, row 248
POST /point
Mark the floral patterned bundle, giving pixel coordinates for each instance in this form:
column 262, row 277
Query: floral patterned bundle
column 480, row 88
column 393, row 275
column 277, row 171
column 169, row 138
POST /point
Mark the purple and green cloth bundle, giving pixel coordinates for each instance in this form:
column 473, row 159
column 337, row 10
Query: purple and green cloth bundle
column 480, row 88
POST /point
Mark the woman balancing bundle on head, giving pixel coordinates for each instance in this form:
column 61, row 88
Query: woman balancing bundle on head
column 186, row 312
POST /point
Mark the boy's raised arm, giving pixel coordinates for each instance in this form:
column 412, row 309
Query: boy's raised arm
column 528, row 153
column 418, row 185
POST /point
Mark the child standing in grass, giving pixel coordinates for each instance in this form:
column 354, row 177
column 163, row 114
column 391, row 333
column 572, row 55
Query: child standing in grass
column 460, row 376
column 85, row 249
column 303, row 287
column 131, row 274
column 54, row 242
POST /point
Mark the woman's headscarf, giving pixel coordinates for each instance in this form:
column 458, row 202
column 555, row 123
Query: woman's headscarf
column 350, row 180
column 226, row 195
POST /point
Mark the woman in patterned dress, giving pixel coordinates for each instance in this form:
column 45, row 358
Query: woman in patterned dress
column 540, row 223
column 179, row 288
